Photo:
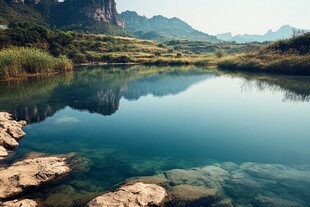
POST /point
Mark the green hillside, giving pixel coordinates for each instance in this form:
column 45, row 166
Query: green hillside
column 68, row 15
column 162, row 28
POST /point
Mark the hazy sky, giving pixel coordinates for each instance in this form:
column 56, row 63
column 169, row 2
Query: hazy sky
column 218, row 16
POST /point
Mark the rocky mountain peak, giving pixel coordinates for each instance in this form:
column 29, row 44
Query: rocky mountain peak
column 98, row 10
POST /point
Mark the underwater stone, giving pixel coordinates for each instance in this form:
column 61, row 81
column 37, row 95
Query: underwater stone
column 276, row 171
column 211, row 176
column 265, row 201
column 188, row 177
column 157, row 180
column 192, row 193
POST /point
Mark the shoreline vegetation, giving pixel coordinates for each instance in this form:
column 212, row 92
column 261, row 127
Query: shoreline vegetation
column 16, row 62
column 28, row 50
column 288, row 57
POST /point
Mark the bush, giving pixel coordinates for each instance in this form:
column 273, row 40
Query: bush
column 179, row 55
column 157, row 54
column 219, row 53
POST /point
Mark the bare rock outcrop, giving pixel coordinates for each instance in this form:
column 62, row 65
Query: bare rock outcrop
column 29, row 173
column 19, row 203
column 136, row 195
column 100, row 11
column 10, row 133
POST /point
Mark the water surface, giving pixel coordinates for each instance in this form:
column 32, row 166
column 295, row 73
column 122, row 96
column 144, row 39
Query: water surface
column 140, row 121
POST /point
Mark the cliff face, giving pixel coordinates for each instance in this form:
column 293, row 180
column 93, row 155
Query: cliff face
column 99, row 16
column 134, row 22
column 97, row 10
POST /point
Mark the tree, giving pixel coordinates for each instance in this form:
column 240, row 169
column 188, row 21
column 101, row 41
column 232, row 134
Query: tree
column 219, row 53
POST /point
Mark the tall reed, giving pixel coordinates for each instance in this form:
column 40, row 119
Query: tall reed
column 21, row 61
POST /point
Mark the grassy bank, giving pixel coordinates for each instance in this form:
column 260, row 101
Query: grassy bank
column 269, row 63
column 83, row 48
column 15, row 62
column 291, row 56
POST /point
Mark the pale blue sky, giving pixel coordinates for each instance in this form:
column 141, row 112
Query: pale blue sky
column 218, row 16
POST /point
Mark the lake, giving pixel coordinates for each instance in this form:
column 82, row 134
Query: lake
column 141, row 121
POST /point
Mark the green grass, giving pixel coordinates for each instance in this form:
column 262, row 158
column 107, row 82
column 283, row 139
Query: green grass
column 15, row 62
column 269, row 63
column 291, row 56
column 84, row 48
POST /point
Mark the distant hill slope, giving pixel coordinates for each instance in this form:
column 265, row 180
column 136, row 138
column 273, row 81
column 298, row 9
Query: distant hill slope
column 12, row 11
column 159, row 28
column 284, row 32
column 98, row 16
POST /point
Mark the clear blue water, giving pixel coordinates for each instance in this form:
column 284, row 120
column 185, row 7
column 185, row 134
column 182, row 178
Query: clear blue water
column 143, row 121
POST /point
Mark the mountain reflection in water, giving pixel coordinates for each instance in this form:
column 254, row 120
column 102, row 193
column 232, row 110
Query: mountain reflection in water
column 99, row 90
column 96, row 90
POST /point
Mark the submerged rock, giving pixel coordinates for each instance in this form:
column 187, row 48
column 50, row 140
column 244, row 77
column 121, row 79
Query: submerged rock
column 210, row 176
column 159, row 179
column 136, row 195
column 265, row 201
column 31, row 172
column 20, row 203
column 274, row 171
column 229, row 184
column 10, row 132
column 192, row 193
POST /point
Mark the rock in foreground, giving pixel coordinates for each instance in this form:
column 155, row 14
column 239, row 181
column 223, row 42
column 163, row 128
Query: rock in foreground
column 10, row 132
column 136, row 195
column 20, row 203
column 30, row 173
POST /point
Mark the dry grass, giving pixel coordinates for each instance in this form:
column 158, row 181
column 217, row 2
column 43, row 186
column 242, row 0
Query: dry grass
column 268, row 62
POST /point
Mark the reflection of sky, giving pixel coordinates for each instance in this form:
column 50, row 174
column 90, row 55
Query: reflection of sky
column 214, row 119
column 67, row 120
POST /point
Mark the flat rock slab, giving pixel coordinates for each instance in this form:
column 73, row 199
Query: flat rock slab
column 19, row 203
column 29, row 173
column 136, row 195
column 10, row 132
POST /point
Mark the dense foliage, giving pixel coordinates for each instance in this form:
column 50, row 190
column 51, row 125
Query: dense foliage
column 299, row 44
column 15, row 62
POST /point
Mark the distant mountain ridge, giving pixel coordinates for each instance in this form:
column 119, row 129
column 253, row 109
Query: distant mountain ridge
column 160, row 27
column 284, row 32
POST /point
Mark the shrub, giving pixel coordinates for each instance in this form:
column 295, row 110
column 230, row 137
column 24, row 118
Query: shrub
column 219, row 53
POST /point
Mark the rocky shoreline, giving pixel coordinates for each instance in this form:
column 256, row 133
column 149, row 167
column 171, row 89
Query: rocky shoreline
column 20, row 203
column 10, row 133
column 30, row 172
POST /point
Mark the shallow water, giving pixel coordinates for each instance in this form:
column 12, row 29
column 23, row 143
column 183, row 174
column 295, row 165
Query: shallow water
column 140, row 121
